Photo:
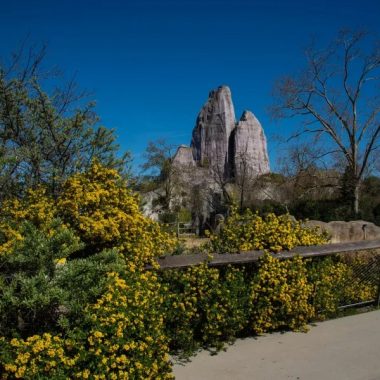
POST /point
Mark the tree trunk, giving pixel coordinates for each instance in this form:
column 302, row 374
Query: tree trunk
column 241, row 199
column 355, row 205
column 351, row 190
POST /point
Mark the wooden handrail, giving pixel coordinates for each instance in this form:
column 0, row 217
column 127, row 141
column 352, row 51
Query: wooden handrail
column 217, row 259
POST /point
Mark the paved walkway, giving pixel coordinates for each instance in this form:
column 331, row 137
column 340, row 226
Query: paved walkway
column 342, row 349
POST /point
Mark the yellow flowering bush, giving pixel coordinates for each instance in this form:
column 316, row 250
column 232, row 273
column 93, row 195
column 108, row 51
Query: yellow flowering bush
column 250, row 231
column 105, row 213
column 204, row 306
column 209, row 306
column 127, row 338
column 327, row 276
column 37, row 207
column 121, row 337
column 76, row 263
column 39, row 356
column 280, row 295
column 100, row 208
column 361, row 276
column 115, row 321
column 9, row 236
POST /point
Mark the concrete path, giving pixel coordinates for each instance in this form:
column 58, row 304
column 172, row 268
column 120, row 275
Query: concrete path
column 341, row 349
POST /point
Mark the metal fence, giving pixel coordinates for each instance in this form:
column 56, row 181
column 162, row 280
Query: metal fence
column 363, row 278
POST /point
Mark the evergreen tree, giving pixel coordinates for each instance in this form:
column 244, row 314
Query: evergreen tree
column 46, row 136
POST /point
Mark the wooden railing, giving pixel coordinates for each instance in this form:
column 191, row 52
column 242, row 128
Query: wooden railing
column 184, row 261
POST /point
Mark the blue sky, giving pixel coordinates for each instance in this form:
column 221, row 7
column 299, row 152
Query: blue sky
column 151, row 64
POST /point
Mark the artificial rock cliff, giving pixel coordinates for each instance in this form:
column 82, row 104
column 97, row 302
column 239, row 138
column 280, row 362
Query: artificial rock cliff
column 249, row 146
column 223, row 145
column 212, row 131
column 222, row 150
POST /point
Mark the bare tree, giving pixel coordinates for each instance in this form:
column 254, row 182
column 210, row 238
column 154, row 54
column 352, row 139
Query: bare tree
column 307, row 175
column 338, row 97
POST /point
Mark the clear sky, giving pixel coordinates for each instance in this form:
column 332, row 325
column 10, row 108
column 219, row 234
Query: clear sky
column 151, row 63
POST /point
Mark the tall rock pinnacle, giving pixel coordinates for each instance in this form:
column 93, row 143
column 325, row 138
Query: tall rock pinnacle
column 250, row 147
column 215, row 122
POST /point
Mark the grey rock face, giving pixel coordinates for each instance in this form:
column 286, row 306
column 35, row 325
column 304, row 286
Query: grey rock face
column 213, row 162
column 249, row 155
column 341, row 232
column 215, row 122
column 184, row 156
column 220, row 144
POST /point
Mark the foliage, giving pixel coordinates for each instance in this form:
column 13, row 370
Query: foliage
column 338, row 208
column 30, row 295
column 204, row 306
column 101, row 210
column 162, row 174
column 323, row 209
column 342, row 279
column 249, row 231
column 280, row 295
column 46, row 137
column 77, row 302
column 56, row 281
column 370, row 200
column 269, row 207
column 43, row 356
column 98, row 205
column 121, row 337
column 126, row 339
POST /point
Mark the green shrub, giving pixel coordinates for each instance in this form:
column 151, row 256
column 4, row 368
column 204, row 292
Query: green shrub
column 120, row 337
column 69, row 281
column 280, row 295
column 76, row 301
column 29, row 294
column 204, row 306
column 249, row 231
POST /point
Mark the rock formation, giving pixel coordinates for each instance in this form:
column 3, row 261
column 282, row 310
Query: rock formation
column 184, row 156
column 249, row 154
column 206, row 170
column 342, row 232
column 221, row 144
column 212, row 131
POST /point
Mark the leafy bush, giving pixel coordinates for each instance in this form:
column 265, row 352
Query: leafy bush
column 77, row 302
column 105, row 213
column 120, row 337
column 339, row 208
column 249, row 231
column 126, row 338
column 209, row 306
column 280, row 295
column 38, row 356
column 29, row 295
column 98, row 206
column 204, row 306
column 57, row 293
